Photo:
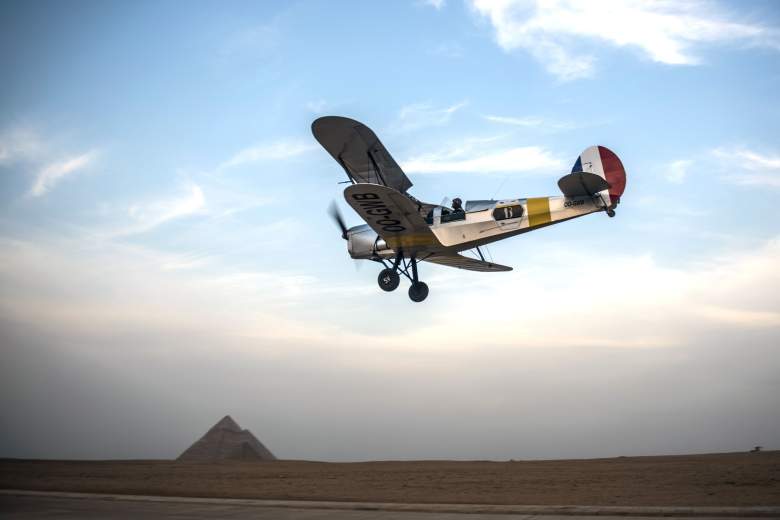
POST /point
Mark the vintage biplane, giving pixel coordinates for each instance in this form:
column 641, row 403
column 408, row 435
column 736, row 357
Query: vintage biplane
column 401, row 231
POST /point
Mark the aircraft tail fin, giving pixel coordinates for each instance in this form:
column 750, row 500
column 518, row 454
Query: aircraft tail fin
column 597, row 169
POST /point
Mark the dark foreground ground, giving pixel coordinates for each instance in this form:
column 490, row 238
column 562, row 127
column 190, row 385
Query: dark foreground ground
column 100, row 506
column 731, row 479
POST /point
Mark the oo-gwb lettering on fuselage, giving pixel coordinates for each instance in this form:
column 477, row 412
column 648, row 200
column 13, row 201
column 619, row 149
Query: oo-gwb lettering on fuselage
column 373, row 205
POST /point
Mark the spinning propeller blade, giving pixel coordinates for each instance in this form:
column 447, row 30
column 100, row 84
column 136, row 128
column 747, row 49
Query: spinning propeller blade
column 335, row 214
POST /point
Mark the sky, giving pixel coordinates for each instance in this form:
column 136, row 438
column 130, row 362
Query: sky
column 166, row 256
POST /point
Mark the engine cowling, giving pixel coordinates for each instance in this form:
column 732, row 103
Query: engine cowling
column 364, row 243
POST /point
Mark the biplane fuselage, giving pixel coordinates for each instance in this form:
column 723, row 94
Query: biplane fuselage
column 491, row 221
column 405, row 230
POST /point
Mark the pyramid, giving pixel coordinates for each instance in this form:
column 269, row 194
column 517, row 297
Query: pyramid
column 227, row 441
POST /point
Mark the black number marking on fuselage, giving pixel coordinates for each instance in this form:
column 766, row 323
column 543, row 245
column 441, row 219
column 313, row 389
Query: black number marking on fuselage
column 507, row 212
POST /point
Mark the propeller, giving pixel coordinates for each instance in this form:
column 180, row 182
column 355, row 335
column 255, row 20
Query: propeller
column 335, row 214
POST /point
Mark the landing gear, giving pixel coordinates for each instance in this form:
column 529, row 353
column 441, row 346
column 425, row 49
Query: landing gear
column 418, row 291
column 610, row 209
column 388, row 280
column 389, row 277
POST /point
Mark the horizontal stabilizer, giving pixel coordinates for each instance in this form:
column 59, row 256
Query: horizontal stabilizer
column 582, row 184
column 464, row 262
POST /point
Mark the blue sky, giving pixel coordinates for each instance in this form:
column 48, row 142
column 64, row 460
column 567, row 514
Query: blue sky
column 163, row 224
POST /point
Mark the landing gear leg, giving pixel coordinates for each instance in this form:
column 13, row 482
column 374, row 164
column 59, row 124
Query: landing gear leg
column 418, row 291
column 610, row 209
column 389, row 277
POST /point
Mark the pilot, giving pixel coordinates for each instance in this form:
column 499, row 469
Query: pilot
column 457, row 205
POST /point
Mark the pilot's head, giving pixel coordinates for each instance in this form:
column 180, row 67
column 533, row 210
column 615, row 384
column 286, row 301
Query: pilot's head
column 456, row 203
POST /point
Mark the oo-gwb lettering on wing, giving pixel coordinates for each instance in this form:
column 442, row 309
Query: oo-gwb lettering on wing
column 372, row 205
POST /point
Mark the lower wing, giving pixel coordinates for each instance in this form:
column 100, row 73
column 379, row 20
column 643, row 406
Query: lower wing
column 464, row 262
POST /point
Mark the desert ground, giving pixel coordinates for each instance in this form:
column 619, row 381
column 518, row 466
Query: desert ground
column 729, row 479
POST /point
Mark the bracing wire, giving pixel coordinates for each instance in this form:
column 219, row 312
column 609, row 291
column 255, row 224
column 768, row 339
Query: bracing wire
column 499, row 187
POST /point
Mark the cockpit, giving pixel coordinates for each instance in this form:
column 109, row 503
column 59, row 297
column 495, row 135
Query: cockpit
column 445, row 214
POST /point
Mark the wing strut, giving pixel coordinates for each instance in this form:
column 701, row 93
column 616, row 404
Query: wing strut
column 341, row 162
column 376, row 166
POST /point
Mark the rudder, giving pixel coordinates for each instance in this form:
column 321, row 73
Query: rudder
column 603, row 162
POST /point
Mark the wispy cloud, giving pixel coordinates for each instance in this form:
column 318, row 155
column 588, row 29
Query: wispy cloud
column 146, row 216
column 516, row 121
column 678, row 170
column 749, row 167
column 447, row 50
column 660, row 305
column 703, row 296
column 554, row 32
column 436, row 4
column 739, row 317
column 53, row 173
column 46, row 159
column 255, row 44
column 278, row 150
column 422, row 115
column 19, row 144
column 185, row 262
column 465, row 160
column 750, row 160
column 317, row 106
column 531, row 122
column 656, row 204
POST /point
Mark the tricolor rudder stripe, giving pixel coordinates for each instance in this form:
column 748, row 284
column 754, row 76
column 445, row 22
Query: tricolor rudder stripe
column 604, row 162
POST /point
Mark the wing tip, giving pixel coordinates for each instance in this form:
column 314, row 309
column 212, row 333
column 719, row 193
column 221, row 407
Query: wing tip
column 335, row 119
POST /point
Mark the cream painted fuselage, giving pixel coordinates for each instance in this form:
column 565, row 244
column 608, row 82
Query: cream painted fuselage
column 488, row 224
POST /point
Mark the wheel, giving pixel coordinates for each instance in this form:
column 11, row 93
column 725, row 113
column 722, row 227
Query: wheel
column 611, row 212
column 388, row 280
column 418, row 291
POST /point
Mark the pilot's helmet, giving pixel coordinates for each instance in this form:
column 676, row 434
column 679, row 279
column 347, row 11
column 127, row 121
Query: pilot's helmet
column 456, row 203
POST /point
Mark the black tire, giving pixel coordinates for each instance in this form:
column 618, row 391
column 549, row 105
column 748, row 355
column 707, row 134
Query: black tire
column 611, row 213
column 388, row 280
column 418, row 291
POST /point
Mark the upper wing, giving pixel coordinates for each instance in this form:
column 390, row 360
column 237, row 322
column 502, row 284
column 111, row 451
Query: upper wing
column 464, row 262
column 359, row 151
column 394, row 216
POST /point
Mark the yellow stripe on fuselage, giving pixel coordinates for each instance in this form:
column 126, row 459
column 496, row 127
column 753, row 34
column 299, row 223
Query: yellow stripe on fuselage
column 538, row 211
column 412, row 240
